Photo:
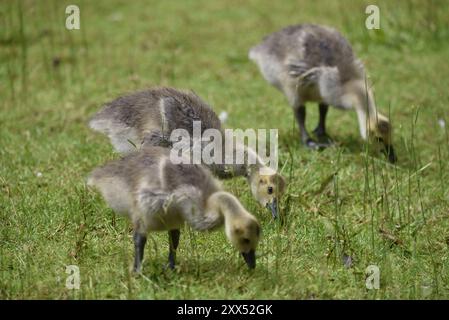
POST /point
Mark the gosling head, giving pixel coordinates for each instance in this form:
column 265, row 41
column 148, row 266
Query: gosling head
column 244, row 234
column 381, row 130
column 267, row 186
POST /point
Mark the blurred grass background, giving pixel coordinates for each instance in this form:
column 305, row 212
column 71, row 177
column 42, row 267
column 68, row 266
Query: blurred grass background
column 344, row 204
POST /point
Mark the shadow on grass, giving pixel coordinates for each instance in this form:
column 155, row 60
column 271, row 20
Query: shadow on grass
column 349, row 145
column 202, row 273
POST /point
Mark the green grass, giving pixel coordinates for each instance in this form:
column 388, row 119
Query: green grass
column 342, row 201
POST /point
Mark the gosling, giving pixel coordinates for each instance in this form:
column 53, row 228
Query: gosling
column 151, row 115
column 158, row 195
column 316, row 63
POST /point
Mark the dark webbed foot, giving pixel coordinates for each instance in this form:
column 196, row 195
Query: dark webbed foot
column 311, row 144
column 314, row 145
column 323, row 139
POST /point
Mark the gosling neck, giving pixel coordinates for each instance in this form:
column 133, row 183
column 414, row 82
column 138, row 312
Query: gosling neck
column 251, row 159
column 362, row 97
column 226, row 205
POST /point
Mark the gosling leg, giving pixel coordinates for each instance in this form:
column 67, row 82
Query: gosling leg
column 320, row 130
column 173, row 238
column 300, row 114
column 139, row 246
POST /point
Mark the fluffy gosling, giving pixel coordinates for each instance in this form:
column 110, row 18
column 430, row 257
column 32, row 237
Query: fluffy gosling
column 316, row 63
column 158, row 195
column 150, row 116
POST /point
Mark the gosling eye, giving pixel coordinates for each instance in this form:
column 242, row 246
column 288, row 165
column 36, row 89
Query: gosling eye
column 270, row 190
column 261, row 181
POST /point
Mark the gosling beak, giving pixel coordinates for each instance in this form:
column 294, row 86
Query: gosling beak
column 389, row 152
column 273, row 205
column 250, row 258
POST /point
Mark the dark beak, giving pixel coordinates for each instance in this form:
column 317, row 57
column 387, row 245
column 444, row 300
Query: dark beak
column 273, row 205
column 389, row 152
column 250, row 258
